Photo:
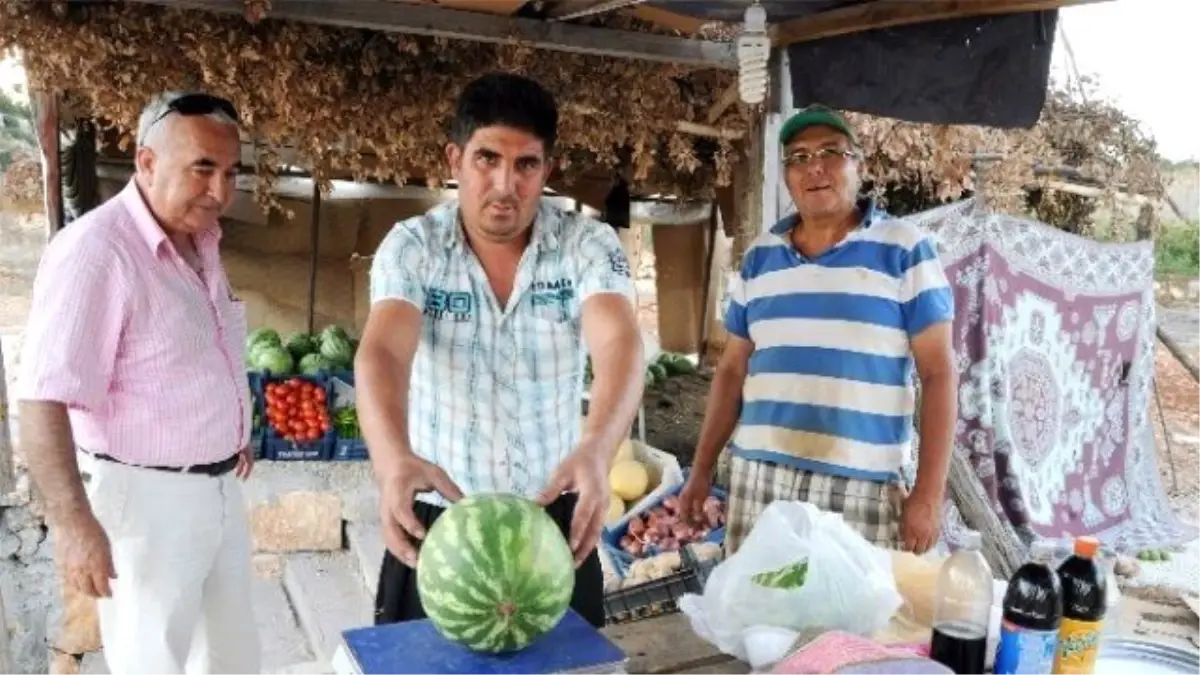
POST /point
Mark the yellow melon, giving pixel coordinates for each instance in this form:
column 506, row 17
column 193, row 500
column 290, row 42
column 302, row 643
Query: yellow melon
column 629, row 479
column 616, row 509
column 624, row 451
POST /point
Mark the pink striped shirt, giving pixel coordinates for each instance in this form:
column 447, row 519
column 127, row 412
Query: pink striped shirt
column 147, row 355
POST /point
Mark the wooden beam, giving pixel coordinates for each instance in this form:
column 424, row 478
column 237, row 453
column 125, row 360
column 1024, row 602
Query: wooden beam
column 891, row 13
column 488, row 6
column 728, row 98
column 1003, row 547
column 667, row 19
column 7, row 465
column 45, row 113
column 459, row 25
column 565, row 10
column 314, row 255
column 1178, row 352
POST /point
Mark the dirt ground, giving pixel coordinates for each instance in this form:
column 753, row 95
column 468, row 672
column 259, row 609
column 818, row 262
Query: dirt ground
column 1179, row 445
column 674, row 413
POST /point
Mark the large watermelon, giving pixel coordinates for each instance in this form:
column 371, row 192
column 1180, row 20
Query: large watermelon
column 495, row 573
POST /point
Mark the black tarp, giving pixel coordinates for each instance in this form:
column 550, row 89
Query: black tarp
column 990, row 70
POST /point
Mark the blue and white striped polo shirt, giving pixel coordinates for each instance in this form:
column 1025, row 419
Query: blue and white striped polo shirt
column 830, row 381
column 495, row 392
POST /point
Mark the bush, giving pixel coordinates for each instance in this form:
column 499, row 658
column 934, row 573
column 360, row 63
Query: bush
column 1177, row 249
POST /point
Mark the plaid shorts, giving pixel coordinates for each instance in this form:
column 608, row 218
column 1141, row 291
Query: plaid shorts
column 872, row 508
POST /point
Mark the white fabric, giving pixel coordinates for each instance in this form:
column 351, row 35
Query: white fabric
column 181, row 550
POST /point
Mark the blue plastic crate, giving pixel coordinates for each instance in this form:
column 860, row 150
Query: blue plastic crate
column 277, row 448
column 612, row 538
column 345, row 449
column 257, row 433
column 282, row 450
column 350, row 449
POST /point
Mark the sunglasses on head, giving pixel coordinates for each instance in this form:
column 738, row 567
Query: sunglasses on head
column 197, row 104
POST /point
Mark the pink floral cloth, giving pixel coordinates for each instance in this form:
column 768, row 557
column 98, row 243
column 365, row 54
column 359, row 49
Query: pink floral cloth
column 841, row 652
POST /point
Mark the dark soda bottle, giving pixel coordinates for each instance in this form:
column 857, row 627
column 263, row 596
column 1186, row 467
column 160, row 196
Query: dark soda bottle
column 964, row 603
column 1032, row 616
column 1085, row 591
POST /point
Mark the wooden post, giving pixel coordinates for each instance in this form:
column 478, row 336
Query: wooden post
column 6, row 659
column 45, row 114
column 7, row 473
column 314, row 258
column 6, row 486
column 1003, row 548
column 1178, row 352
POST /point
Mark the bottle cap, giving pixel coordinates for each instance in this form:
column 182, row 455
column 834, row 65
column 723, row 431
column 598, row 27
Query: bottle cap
column 971, row 540
column 1086, row 547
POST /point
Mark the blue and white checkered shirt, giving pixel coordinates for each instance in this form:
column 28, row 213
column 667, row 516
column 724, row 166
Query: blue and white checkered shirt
column 495, row 393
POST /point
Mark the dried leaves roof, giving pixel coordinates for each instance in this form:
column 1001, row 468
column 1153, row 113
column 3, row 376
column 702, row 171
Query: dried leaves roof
column 370, row 103
column 376, row 105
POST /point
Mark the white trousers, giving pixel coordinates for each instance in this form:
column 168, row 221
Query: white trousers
column 181, row 551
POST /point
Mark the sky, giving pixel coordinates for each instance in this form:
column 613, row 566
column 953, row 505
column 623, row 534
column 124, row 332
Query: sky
column 1144, row 54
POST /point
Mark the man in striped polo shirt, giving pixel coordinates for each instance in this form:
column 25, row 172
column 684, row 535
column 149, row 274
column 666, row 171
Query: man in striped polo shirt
column 831, row 311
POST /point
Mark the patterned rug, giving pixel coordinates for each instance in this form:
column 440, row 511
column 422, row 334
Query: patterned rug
column 1054, row 339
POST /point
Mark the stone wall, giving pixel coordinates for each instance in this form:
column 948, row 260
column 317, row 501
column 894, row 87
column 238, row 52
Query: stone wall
column 1175, row 289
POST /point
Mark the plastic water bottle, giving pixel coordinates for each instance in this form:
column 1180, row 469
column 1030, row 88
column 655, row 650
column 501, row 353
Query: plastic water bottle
column 964, row 602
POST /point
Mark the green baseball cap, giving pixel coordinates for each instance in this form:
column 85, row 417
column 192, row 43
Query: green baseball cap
column 813, row 116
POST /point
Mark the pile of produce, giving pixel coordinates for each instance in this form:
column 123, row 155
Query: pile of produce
column 495, row 573
column 663, row 565
column 666, row 366
column 661, row 528
column 303, row 353
column 345, row 422
column 296, row 410
column 629, row 480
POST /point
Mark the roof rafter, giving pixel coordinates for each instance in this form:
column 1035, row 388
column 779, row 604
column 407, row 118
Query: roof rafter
column 460, row 25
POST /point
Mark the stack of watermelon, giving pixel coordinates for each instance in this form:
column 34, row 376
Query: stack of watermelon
column 305, row 353
column 667, row 365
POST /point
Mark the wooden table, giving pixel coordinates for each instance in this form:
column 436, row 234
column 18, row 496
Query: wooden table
column 667, row 644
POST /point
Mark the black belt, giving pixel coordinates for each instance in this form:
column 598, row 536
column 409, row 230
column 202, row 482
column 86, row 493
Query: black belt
column 212, row 469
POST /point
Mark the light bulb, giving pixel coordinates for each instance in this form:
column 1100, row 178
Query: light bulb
column 754, row 51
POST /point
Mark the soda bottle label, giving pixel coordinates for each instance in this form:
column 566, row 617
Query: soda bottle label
column 1022, row 650
column 1078, row 642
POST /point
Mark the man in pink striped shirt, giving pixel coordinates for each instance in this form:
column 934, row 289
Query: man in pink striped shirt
column 135, row 410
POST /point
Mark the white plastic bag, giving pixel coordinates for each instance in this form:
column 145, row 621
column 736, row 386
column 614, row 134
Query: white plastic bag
column 848, row 584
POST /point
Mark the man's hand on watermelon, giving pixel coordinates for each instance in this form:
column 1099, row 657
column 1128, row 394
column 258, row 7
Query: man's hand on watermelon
column 584, row 472
column 397, row 492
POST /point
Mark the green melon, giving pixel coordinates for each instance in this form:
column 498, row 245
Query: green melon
column 495, row 573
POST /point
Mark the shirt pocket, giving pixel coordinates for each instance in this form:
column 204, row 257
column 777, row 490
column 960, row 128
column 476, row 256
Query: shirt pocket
column 550, row 352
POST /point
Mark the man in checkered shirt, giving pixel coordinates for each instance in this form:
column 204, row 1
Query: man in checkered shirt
column 470, row 367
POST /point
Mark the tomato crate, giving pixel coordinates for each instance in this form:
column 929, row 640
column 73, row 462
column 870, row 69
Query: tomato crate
column 308, row 410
